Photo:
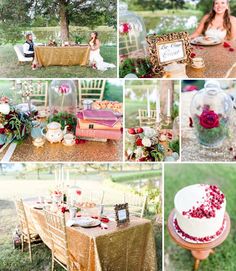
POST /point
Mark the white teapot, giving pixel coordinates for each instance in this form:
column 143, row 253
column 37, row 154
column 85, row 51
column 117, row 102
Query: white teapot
column 54, row 132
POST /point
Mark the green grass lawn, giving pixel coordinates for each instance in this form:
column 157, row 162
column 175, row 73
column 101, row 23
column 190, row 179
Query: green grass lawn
column 178, row 176
column 10, row 69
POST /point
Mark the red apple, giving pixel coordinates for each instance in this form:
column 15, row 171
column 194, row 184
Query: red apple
column 139, row 130
column 131, row 131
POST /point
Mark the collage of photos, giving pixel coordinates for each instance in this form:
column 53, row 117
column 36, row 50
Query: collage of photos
column 117, row 135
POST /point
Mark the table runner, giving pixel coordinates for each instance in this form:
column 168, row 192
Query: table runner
column 115, row 249
column 61, row 56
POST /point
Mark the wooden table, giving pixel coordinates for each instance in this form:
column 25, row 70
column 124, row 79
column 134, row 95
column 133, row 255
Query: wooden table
column 61, row 56
column 219, row 62
column 95, row 249
column 199, row 251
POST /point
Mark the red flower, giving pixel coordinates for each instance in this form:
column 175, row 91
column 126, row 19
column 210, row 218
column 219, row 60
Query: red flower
column 139, row 142
column 209, row 119
column 78, row 192
column 192, row 55
column 226, row 44
column 190, row 88
column 125, row 28
column 63, row 209
column 231, row 49
column 2, row 130
column 105, row 220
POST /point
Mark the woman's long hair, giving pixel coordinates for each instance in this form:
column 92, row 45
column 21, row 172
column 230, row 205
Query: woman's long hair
column 96, row 37
column 226, row 21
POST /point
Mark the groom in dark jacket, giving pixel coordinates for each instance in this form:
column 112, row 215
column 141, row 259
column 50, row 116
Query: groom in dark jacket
column 28, row 46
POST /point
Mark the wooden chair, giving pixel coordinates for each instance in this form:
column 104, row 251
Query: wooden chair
column 137, row 204
column 38, row 92
column 59, row 246
column 91, row 89
column 144, row 120
column 28, row 233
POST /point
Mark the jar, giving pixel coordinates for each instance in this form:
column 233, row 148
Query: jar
column 211, row 109
column 132, row 30
column 87, row 104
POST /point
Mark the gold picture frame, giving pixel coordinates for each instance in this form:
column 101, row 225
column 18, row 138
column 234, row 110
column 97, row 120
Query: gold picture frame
column 171, row 39
column 122, row 214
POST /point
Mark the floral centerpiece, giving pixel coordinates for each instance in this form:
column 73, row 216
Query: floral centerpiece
column 143, row 145
column 14, row 124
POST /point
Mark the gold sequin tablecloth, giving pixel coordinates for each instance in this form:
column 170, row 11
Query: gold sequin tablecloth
column 62, row 56
column 130, row 248
column 89, row 151
column 219, row 62
column 191, row 150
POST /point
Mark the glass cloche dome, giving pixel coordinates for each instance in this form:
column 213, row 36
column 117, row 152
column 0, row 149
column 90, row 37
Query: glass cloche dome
column 211, row 109
column 132, row 34
column 62, row 97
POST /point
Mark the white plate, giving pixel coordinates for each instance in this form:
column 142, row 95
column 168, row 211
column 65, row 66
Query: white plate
column 87, row 222
column 205, row 42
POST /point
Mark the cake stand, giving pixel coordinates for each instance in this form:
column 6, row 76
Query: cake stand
column 200, row 251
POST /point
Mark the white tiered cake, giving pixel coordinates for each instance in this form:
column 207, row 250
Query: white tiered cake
column 199, row 212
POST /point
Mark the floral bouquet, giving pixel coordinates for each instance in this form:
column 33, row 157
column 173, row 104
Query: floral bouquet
column 211, row 128
column 14, row 124
column 143, row 145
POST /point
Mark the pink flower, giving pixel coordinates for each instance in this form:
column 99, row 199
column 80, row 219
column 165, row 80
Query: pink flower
column 64, row 89
column 4, row 100
column 78, row 192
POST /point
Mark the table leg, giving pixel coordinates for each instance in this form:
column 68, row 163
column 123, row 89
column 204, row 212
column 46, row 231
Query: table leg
column 196, row 264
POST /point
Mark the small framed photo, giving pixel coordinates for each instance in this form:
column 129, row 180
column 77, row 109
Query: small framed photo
column 122, row 214
column 167, row 49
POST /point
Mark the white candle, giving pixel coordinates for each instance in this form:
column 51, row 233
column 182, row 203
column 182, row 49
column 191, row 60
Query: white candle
column 168, row 103
column 148, row 104
column 157, row 105
column 68, row 175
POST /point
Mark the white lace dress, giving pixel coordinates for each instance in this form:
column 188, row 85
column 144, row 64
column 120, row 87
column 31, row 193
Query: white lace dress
column 96, row 60
column 216, row 33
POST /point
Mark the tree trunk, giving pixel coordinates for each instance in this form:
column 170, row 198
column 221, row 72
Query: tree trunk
column 64, row 20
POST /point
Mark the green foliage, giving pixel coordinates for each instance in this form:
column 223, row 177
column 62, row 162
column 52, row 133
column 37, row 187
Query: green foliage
column 211, row 136
column 64, row 119
column 134, row 176
column 113, row 92
column 24, row 13
column 174, row 145
column 140, row 67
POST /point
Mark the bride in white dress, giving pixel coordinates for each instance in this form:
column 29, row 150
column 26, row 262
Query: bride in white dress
column 218, row 23
column 95, row 58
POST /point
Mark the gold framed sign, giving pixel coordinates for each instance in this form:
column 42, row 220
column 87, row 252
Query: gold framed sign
column 122, row 214
column 168, row 48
